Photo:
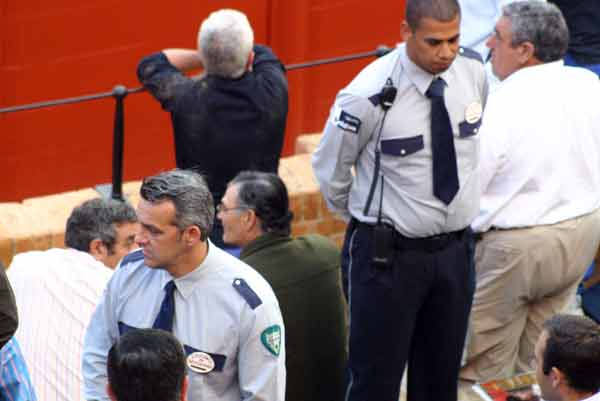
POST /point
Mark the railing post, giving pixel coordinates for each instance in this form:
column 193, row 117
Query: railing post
column 119, row 92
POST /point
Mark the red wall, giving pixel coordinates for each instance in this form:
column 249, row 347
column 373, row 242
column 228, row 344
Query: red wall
column 65, row 48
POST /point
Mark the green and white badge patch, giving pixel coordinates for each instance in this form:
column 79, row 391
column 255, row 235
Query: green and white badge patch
column 271, row 339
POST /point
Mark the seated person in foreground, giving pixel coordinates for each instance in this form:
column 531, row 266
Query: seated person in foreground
column 567, row 359
column 145, row 365
column 304, row 273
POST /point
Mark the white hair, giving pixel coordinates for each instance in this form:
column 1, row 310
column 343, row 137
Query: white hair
column 225, row 41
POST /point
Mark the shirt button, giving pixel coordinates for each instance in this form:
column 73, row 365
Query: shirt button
column 237, row 282
column 475, row 130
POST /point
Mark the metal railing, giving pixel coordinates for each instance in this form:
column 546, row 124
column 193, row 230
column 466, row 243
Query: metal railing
column 119, row 92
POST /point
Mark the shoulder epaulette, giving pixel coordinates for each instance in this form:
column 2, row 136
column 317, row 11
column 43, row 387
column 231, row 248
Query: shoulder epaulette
column 246, row 292
column 133, row 257
column 470, row 53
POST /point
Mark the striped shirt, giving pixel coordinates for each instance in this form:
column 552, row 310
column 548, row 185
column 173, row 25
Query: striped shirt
column 56, row 292
column 15, row 384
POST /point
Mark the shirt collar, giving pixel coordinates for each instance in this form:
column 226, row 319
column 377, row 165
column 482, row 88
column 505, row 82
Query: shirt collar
column 535, row 69
column 264, row 241
column 421, row 78
column 185, row 284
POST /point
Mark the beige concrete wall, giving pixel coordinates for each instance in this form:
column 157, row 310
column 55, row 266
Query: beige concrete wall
column 39, row 223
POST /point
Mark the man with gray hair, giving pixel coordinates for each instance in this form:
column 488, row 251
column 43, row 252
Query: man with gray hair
column 539, row 220
column 222, row 311
column 237, row 108
column 57, row 290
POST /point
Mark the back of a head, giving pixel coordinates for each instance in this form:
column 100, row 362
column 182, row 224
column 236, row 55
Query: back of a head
column 573, row 347
column 540, row 23
column 225, row 42
column 266, row 194
column 146, row 364
column 96, row 219
column 439, row 10
column 190, row 195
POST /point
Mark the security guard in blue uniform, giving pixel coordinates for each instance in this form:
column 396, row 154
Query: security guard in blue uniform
column 408, row 125
column 223, row 312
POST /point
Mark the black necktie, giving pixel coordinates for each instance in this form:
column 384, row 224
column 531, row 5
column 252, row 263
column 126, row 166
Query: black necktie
column 445, row 172
column 164, row 319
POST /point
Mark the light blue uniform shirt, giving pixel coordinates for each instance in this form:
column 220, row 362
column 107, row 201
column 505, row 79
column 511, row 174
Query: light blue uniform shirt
column 350, row 140
column 223, row 308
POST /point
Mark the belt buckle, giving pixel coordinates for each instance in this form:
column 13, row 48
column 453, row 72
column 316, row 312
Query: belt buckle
column 438, row 241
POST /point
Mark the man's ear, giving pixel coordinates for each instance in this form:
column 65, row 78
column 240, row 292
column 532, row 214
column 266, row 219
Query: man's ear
column 556, row 377
column 526, row 52
column 184, row 388
column 405, row 31
column 98, row 249
column 192, row 235
column 250, row 61
column 249, row 220
column 110, row 392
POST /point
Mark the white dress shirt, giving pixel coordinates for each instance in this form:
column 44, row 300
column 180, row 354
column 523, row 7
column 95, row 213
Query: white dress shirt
column 540, row 148
column 56, row 292
column 595, row 397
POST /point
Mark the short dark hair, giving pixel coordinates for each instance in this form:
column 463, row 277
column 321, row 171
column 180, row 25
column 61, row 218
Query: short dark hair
column 440, row 10
column 573, row 347
column 96, row 219
column 266, row 194
column 540, row 23
column 190, row 195
column 146, row 364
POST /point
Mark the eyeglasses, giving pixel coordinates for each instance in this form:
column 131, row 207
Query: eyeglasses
column 221, row 208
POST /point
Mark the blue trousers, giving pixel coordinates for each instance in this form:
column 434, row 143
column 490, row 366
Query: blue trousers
column 416, row 311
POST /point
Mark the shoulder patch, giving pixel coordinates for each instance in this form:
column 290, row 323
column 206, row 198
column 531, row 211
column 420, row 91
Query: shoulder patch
column 132, row 257
column 246, row 292
column 346, row 121
column 271, row 339
column 470, row 53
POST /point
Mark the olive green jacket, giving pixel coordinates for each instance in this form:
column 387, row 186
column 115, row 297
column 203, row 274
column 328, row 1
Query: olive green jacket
column 305, row 275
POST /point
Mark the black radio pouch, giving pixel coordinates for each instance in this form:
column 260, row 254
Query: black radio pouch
column 383, row 245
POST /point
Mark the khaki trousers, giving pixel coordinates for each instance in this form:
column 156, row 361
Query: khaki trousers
column 523, row 277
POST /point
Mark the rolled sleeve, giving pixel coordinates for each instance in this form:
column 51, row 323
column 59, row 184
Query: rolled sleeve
column 162, row 79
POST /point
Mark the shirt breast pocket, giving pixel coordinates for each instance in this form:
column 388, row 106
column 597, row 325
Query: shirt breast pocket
column 467, row 129
column 402, row 146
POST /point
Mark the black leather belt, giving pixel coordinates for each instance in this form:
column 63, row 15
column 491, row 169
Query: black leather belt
column 429, row 244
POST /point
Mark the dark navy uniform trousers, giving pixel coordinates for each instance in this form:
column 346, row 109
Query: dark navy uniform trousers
column 415, row 311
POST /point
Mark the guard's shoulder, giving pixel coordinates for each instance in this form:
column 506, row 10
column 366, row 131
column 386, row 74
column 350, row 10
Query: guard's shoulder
column 134, row 256
column 470, row 53
column 372, row 78
column 246, row 292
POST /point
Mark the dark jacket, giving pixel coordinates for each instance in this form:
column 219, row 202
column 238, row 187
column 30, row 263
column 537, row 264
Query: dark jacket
column 8, row 309
column 223, row 126
column 304, row 273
